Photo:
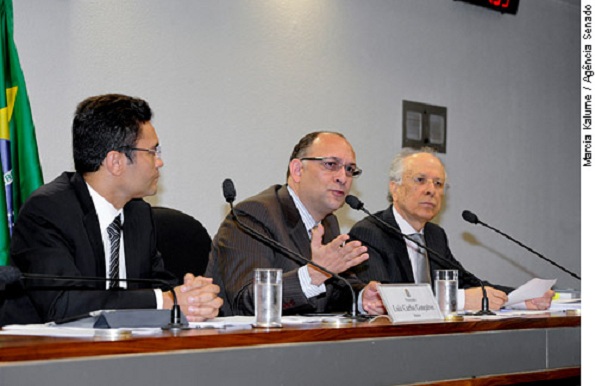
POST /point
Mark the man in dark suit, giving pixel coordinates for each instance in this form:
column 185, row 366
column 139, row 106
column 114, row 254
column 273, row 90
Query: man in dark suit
column 75, row 225
column 416, row 189
column 299, row 215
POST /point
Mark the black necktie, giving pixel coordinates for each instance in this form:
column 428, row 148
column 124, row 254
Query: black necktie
column 113, row 231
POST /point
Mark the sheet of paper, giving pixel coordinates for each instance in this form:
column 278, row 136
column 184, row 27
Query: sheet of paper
column 225, row 322
column 50, row 329
column 534, row 288
column 566, row 304
column 299, row 319
column 247, row 321
column 46, row 330
column 515, row 313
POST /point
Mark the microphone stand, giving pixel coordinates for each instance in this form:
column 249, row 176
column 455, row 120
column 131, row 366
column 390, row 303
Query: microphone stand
column 175, row 323
column 229, row 194
column 472, row 218
column 356, row 204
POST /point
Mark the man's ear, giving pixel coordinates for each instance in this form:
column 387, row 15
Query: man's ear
column 392, row 187
column 115, row 162
column 295, row 169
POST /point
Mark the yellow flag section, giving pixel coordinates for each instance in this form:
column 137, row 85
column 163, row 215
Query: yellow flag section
column 6, row 113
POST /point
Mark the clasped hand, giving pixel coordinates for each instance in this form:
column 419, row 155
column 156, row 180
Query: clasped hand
column 197, row 298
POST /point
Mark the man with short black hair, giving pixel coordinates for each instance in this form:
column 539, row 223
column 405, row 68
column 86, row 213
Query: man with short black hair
column 94, row 223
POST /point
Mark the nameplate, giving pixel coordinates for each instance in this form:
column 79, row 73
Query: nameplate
column 409, row 302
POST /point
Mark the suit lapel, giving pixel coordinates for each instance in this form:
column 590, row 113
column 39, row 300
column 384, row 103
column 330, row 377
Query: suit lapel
column 404, row 270
column 91, row 221
column 297, row 229
column 433, row 242
column 131, row 242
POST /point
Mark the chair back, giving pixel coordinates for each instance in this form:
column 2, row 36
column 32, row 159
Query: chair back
column 183, row 241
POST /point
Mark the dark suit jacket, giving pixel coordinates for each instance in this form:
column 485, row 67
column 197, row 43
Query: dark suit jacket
column 389, row 261
column 236, row 254
column 57, row 233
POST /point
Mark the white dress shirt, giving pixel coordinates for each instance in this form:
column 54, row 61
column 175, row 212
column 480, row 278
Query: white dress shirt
column 106, row 214
column 309, row 289
column 407, row 229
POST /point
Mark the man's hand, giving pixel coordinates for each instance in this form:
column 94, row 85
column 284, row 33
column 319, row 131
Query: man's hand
column 542, row 303
column 197, row 298
column 371, row 301
column 337, row 256
column 474, row 295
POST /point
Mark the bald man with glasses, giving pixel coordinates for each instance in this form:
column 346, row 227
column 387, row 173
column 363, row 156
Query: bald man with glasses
column 299, row 215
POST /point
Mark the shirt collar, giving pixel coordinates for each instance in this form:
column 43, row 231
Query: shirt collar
column 406, row 228
column 104, row 209
column 306, row 217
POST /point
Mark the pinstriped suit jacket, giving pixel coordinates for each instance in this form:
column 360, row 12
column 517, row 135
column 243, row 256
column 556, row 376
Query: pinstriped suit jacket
column 389, row 261
column 236, row 254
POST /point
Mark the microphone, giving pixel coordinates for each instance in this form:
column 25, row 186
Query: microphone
column 472, row 218
column 229, row 192
column 10, row 275
column 356, row 204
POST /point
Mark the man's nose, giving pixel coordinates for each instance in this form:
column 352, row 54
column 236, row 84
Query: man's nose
column 430, row 188
column 341, row 175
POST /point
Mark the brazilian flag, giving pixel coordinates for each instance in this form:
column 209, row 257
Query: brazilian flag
column 21, row 171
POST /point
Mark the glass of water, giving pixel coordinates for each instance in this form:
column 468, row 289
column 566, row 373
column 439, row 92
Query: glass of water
column 446, row 283
column 268, row 289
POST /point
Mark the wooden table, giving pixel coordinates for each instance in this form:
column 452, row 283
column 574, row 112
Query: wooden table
column 473, row 351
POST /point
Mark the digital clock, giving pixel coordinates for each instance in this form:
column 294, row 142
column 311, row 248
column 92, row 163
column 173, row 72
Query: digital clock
column 504, row 6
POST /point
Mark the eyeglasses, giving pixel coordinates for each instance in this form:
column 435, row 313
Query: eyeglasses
column 421, row 180
column 334, row 164
column 155, row 152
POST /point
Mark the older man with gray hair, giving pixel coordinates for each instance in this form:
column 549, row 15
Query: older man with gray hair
column 416, row 189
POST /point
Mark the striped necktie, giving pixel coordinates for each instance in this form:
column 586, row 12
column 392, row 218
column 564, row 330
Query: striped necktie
column 113, row 232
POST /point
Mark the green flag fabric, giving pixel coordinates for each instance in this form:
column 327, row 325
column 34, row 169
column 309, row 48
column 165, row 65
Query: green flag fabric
column 21, row 171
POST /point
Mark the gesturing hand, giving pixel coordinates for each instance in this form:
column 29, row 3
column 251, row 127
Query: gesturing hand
column 336, row 256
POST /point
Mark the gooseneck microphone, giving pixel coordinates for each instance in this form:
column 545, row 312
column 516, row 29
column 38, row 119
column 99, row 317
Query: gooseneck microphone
column 356, row 204
column 229, row 192
column 10, row 275
column 472, row 218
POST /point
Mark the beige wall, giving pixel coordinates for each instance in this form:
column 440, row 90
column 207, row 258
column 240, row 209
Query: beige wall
column 234, row 84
